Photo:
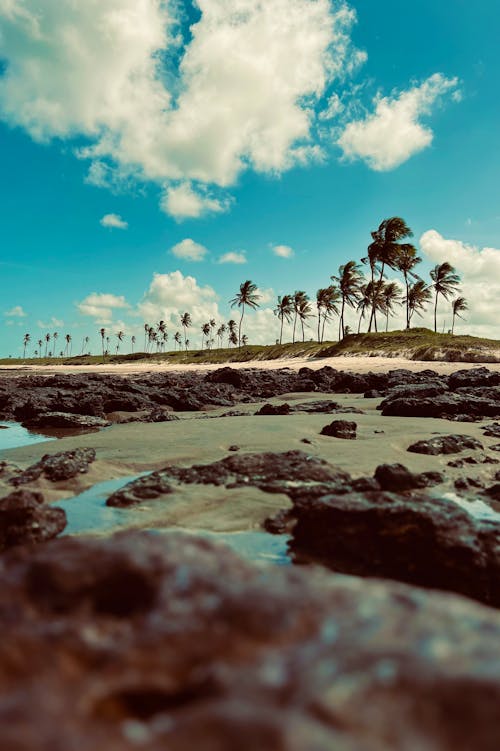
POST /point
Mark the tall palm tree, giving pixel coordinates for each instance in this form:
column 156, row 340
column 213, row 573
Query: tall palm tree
column 222, row 330
column 391, row 295
column 406, row 261
column 233, row 339
column 386, row 248
column 349, row 280
column 119, row 336
column 177, row 339
column 458, row 306
column 146, row 336
column 103, row 335
column 26, row 341
column 365, row 301
column 284, row 310
column 85, row 341
column 186, row 323
column 132, row 342
column 47, row 340
column 327, row 304
column 231, row 331
column 186, row 344
column 297, row 300
column 304, row 312
column 68, row 345
column 40, row 345
column 247, row 296
column 445, row 281
column 55, row 336
column 419, row 295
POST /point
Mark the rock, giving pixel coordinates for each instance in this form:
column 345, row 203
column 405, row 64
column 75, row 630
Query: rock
column 161, row 415
column 468, row 483
column 447, row 406
column 274, row 409
column 492, row 431
column 467, row 460
column 145, row 488
column 327, row 407
column 226, row 375
column 423, row 541
column 397, row 478
column 493, row 491
column 57, row 467
column 340, row 429
column 445, row 444
column 473, row 378
column 177, row 644
column 496, row 447
column 26, row 520
column 233, row 448
column 66, row 420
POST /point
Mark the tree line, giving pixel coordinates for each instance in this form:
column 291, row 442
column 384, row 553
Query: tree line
column 361, row 287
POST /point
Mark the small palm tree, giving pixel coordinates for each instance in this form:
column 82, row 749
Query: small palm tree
column 419, row 295
column 304, row 312
column 244, row 340
column 445, row 281
column 120, row 335
column 85, row 342
column 327, row 300
column 186, row 344
column 222, row 329
column 146, row 336
column 103, row 336
column 349, row 280
column 68, row 344
column 55, row 337
column 132, row 343
column 297, row 300
column 177, row 338
column 26, row 341
column 233, row 339
column 40, row 345
column 391, row 296
column 47, row 340
column 186, row 323
column 406, row 261
column 458, row 306
column 206, row 333
column 231, row 330
column 284, row 310
column 247, row 296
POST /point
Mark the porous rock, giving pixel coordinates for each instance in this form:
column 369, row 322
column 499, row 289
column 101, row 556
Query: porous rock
column 445, row 444
column 26, row 520
column 345, row 429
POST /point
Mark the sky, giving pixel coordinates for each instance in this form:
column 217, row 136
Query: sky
column 155, row 154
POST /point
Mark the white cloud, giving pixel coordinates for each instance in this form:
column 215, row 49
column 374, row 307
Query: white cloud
column 265, row 295
column 233, row 257
column 184, row 202
column 282, row 251
column 241, row 93
column 54, row 323
column 391, row 135
column 171, row 295
column 189, row 250
column 101, row 305
column 480, row 272
column 114, row 221
column 16, row 312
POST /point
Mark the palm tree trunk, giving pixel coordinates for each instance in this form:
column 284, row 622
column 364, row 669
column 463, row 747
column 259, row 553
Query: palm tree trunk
column 294, row 325
column 387, row 322
column 281, row 330
column 319, row 322
column 341, row 321
column 453, row 323
column 407, row 301
column 303, row 334
column 241, row 321
column 360, row 319
column 435, row 312
column 323, row 329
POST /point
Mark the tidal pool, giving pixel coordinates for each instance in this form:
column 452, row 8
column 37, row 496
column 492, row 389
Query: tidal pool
column 13, row 435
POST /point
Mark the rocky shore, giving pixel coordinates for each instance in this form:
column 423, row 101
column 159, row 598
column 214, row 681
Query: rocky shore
column 381, row 633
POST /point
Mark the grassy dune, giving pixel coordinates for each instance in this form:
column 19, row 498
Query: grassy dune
column 416, row 344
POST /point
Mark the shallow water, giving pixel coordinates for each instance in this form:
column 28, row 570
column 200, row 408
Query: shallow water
column 476, row 508
column 13, row 435
column 87, row 513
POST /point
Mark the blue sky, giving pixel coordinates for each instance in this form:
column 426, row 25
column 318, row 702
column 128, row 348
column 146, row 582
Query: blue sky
column 240, row 127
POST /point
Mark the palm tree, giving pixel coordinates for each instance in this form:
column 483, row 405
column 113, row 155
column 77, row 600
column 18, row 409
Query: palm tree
column 221, row 331
column 186, row 344
column 206, row 333
column 231, row 329
column 103, row 334
column 298, row 297
column 445, row 282
column 391, row 295
column 40, row 345
column 327, row 300
column 47, row 340
column 85, row 341
column 284, row 310
column 146, row 336
column 365, row 301
column 55, row 336
column 405, row 263
column 162, row 330
column 385, row 249
column 304, row 312
column 186, row 323
column 26, row 341
column 132, row 341
column 458, row 306
column 349, row 281
column 119, row 336
column 419, row 295
column 247, row 295
column 68, row 345
column 177, row 339
column 244, row 340
column 233, row 339
column 164, row 340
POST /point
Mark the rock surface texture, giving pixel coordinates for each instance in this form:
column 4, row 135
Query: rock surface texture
column 26, row 520
column 143, row 642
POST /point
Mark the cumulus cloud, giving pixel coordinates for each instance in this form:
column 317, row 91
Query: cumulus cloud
column 233, row 257
column 282, row 251
column 114, row 221
column 394, row 132
column 100, row 306
column 480, row 272
column 16, row 312
column 171, row 295
column 184, row 202
column 54, row 323
column 240, row 92
column 188, row 250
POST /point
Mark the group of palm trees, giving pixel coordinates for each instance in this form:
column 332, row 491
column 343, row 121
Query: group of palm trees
column 363, row 290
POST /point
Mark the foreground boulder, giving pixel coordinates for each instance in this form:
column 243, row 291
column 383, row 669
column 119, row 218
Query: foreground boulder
column 26, row 520
column 177, row 644
column 345, row 429
column 396, row 477
column 445, row 444
column 412, row 538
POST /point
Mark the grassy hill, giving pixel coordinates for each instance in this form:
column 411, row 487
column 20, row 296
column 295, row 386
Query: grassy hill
column 416, row 344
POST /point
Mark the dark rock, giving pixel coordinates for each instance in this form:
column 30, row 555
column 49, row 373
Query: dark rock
column 234, row 448
column 492, row 431
column 274, row 409
column 326, row 407
column 447, row 406
column 145, row 488
column 56, row 467
column 175, row 643
column 66, row 420
column 468, row 483
column 340, row 429
column 397, row 478
column 226, row 375
column 473, row 378
column 26, row 520
column 467, row 460
column 429, row 542
column 445, row 444
column 161, row 415
column 496, row 447
column 493, row 492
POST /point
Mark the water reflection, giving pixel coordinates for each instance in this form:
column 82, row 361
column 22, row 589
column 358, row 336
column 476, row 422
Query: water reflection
column 13, row 435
